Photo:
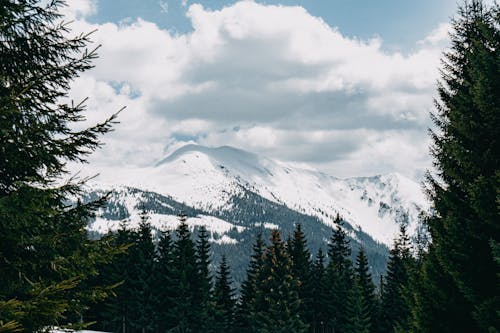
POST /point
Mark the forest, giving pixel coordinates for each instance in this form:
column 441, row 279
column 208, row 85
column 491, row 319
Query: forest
column 166, row 286
column 52, row 274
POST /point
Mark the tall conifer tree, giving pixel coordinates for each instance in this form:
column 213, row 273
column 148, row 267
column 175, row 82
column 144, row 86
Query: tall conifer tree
column 186, row 276
column 248, row 304
column 164, row 283
column 278, row 292
column 366, row 287
column 394, row 307
column 223, row 299
column 205, row 279
column 339, row 277
column 44, row 250
column 318, row 320
column 464, row 191
column 301, row 270
column 141, row 277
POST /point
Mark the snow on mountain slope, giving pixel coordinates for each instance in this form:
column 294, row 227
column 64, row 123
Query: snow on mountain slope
column 207, row 178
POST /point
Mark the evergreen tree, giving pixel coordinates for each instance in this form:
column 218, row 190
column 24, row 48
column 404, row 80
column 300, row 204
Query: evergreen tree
column 358, row 311
column 319, row 317
column 114, row 313
column 366, row 287
column 205, row 280
column 301, row 270
column 395, row 312
column 141, row 277
column 187, row 306
column 436, row 304
column 223, row 298
column 339, row 278
column 464, row 192
column 164, row 283
column 277, row 292
column 45, row 254
column 248, row 305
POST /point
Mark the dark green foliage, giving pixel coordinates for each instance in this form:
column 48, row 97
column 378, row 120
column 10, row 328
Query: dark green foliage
column 394, row 307
column 141, row 278
column 205, row 280
column 164, row 284
column 364, row 283
column 358, row 311
column 338, row 278
column 223, row 300
column 435, row 302
column 301, row 270
column 186, row 277
column 113, row 314
column 277, row 292
column 248, row 304
column 45, row 255
column 464, row 191
column 319, row 318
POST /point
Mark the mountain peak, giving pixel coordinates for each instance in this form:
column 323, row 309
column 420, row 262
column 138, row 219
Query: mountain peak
column 218, row 153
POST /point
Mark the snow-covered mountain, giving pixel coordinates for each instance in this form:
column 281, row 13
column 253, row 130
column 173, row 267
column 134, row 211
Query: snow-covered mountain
column 209, row 180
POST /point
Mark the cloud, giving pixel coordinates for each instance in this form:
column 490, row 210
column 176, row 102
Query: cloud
column 163, row 6
column 272, row 79
column 79, row 8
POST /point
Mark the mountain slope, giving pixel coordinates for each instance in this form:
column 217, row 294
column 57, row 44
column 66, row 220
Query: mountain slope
column 208, row 178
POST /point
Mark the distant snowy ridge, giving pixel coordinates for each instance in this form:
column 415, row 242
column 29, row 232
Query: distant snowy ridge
column 209, row 178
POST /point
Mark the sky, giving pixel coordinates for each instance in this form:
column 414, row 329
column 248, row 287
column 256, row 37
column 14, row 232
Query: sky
column 344, row 86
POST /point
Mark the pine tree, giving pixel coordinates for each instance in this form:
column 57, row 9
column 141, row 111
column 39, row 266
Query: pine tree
column 164, row 283
column 435, row 302
column 248, row 305
column 223, row 298
column 366, row 286
column 277, row 292
column 186, row 277
column 464, row 192
column 45, row 254
column 113, row 314
column 301, row 270
column 358, row 311
column 395, row 311
column 339, row 278
column 319, row 317
column 141, row 277
column 205, row 280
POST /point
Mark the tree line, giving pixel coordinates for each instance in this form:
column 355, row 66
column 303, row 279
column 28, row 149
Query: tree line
column 166, row 286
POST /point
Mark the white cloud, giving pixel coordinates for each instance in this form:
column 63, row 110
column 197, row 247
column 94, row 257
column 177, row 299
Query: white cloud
column 272, row 79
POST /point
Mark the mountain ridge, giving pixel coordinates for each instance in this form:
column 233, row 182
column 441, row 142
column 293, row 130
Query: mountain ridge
column 207, row 178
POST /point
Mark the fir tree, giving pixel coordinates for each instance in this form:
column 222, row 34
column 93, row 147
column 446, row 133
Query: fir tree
column 394, row 308
column 45, row 254
column 205, row 280
column 114, row 313
column 301, row 270
column 277, row 292
column 223, row 298
column 358, row 311
column 339, row 278
column 464, row 191
column 366, row 287
column 141, row 277
column 319, row 317
column 248, row 305
column 186, row 278
column 164, row 283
